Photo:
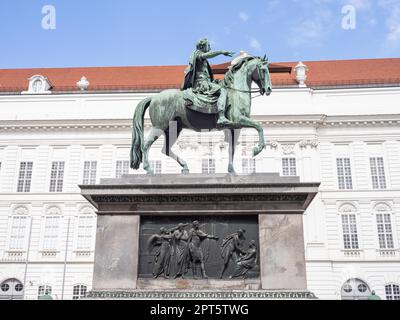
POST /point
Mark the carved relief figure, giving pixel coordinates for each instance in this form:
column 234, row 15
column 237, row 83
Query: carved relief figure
column 196, row 237
column 177, row 263
column 231, row 248
column 162, row 255
column 246, row 262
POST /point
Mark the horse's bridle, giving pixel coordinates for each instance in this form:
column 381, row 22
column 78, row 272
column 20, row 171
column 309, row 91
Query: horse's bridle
column 252, row 91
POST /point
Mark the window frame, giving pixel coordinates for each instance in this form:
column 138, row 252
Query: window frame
column 75, row 247
column 123, row 162
column 27, row 162
column 395, row 296
column 350, row 233
column 208, row 159
column 57, row 179
column 79, row 295
column 46, row 288
column 290, row 167
column 57, row 242
column 251, row 165
column 90, row 179
column 11, row 217
column 385, row 169
column 343, row 158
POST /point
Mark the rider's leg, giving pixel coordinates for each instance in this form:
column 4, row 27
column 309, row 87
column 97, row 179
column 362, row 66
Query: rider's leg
column 222, row 120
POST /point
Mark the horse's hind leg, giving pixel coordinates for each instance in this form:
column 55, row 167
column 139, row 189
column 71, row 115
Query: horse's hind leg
column 170, row 140
column 151, row 138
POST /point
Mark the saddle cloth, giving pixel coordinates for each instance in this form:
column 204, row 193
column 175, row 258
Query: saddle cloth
column 200, row 102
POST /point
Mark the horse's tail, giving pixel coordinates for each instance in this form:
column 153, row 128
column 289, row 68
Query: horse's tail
column 138, row 134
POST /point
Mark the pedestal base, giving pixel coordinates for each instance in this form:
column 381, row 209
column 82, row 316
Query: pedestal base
column 201, row 295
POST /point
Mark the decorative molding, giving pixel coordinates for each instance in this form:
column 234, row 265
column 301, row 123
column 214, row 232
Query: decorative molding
column 166, row 295
column 83, row 84
column 273, row 144
column 347, row 207
column 288, row 149
column 314, row 143
column 186, row 144
column 126, row 124
column 198, row 198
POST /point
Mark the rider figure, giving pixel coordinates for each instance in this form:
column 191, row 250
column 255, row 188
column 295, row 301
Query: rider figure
column 199, row 76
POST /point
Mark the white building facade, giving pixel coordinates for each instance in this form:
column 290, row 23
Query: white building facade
column 346, row 137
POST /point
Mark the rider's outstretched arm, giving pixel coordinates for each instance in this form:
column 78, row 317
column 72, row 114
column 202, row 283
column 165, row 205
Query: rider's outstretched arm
column 213, row 54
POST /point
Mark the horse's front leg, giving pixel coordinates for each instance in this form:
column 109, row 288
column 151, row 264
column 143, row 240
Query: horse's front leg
column 231, row 137
column 248, row 123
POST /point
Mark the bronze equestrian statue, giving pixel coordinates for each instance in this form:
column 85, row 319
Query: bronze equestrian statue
column 202, row 104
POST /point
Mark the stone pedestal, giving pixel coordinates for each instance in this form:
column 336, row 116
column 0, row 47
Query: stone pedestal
column 277, row 203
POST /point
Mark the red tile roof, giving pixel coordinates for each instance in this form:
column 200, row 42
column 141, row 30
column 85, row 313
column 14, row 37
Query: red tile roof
column 321, row 73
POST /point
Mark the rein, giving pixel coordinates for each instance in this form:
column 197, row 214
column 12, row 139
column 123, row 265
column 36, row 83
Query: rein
column 249, row 91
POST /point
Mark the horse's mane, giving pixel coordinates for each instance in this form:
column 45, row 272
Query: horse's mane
column 228, row 79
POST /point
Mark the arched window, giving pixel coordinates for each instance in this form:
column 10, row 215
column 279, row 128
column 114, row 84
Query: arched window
column 79, row 291
column 44, row 290
column 85, row 231
column 384, row 226
column 349, row 227
column 18, row 230
column 11, row 289
column 355, row 289
column 392, row 292
column 51, row 229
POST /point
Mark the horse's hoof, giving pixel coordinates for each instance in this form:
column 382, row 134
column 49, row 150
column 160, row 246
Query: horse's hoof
column 257, row 151
column 231, row 170
column 185, row 171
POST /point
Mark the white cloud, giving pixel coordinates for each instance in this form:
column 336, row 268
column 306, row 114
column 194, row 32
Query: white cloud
column 393, row 24
column 255, row 44
column 243, row 16
column 359, row 4
column 314, row 29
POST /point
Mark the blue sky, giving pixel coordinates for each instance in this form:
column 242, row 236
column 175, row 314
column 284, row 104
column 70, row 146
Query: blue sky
column 161, row 32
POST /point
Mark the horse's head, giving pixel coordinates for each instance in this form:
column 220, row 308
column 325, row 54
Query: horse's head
column 261, row 76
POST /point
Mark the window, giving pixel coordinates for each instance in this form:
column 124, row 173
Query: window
column 89, row 172
column 344, row 173
column 51, row 232
column 350, row 237
column 208, row 166
column 19, row 225
column 289, row 167
column 377, row 173
column 37, row 85
column 156, row 166
column 121, row 168
column 248, row 165
column 25, row 177
column 11, row 289
column 385, row 235
column 355, row 289
column 44, row 290
column 5, row 287
column 79, row 291
column 392, row 292
column 57, row 176
column 85, row 231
